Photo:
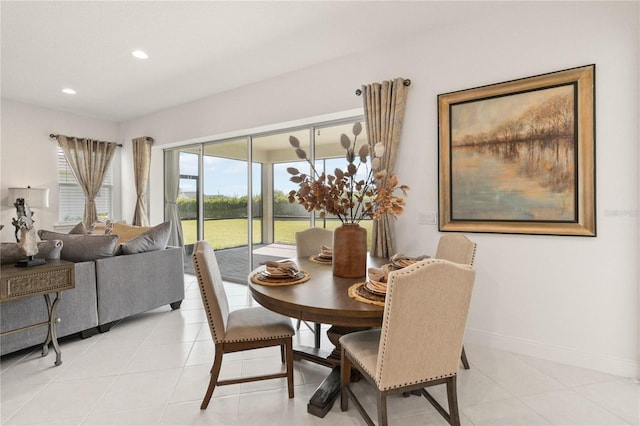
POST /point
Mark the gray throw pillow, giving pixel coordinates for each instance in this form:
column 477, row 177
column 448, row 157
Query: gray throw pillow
column 10, row 253
column 78, row 229
column 50, row 249
column 153, row 239
column 80, row 248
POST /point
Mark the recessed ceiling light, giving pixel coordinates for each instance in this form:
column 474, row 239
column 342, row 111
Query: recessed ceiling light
column 140, row 54
column 68, row 91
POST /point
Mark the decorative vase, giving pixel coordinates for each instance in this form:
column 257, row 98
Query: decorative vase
column 350, row 251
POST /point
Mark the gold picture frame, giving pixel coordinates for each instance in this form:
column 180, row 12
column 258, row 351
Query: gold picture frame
column 519, row 157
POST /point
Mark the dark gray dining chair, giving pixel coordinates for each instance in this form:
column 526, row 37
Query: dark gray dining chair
column 238, row 330
column 460, row 249
column 308, row 243
column 419, row 342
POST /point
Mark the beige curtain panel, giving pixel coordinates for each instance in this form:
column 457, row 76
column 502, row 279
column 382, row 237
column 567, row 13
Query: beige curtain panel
column 171, row 192
column 384, row 105
column 141, row 169
column 89, row 161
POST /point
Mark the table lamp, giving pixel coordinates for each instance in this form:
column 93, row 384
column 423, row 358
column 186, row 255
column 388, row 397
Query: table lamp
column 25, row 198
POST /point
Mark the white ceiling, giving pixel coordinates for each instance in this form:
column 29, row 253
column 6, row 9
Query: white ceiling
column 196, row 48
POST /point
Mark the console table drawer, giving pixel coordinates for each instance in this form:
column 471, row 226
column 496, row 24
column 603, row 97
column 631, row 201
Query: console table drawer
column 19, row 282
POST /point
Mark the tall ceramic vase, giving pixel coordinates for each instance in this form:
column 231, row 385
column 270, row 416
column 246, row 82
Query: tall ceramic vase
column 350, row 251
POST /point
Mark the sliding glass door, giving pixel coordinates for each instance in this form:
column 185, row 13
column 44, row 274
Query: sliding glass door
column 213, row 202
column 219, row 193
column 225, row 193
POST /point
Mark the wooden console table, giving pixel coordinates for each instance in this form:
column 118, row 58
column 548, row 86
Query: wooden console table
column 18, row 283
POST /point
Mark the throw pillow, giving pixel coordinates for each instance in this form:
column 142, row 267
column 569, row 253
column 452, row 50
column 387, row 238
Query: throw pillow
column 127, row 232
column 155, row 238
column 50, row 249
column 80, row 248
column 78, row 229
column 10, row 253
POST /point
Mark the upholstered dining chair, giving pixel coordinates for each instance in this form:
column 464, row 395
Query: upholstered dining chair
column 420, row 340
column 308, row 243
column 238, row 330
column 460, row 249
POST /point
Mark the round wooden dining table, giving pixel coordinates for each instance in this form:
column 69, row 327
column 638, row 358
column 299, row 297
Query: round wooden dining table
column 324, row 298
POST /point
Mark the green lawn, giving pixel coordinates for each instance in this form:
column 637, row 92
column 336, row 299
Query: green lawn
column 233, row 232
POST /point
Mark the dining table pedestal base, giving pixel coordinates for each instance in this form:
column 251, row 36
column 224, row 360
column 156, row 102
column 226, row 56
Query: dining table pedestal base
column 322, row 400
column 325, row 395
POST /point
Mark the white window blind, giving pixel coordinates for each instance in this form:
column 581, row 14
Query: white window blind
column 71, row 196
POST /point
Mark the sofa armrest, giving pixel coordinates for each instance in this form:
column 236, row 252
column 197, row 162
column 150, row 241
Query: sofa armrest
column 135, row 283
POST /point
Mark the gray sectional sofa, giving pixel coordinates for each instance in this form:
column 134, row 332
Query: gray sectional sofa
column 108, row 288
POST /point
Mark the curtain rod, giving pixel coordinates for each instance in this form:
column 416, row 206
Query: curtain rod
column 405, row 83
column 52, row 136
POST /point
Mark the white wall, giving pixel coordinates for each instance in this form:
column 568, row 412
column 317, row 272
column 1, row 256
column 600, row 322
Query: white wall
column 29, row 156
column 569, row 299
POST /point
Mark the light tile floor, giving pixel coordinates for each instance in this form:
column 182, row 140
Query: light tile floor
column 153, row 369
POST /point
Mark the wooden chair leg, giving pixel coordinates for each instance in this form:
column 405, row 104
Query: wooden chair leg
column 289, row 361
column 282, row 356
column 345, row 378
column 316, row 335
column 382, row 408
column 465, row 361
column 213, row 380
column 452, row 397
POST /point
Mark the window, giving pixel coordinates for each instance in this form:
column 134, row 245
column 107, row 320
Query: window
column 71, row 196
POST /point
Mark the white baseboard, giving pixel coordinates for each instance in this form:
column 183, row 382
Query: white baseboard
column 598, row 362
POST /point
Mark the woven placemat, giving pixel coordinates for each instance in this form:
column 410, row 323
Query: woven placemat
column 317, row 259
column 359, row 292
column 257, row 278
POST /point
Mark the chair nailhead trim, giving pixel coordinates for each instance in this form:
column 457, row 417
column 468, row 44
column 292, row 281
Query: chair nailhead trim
column 205, row 301
column 254, row 340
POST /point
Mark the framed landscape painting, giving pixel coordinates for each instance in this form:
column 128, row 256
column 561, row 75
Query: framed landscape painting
column 519, row 156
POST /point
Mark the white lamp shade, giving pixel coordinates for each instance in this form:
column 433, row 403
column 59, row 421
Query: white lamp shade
column 33, row 197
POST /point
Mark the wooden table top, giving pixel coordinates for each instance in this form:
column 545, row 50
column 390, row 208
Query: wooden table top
column 323, row 299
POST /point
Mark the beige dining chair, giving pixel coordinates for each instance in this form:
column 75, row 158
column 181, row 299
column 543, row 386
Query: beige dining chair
column 238, row 330
column 308, row 243
column 420, row 340
column 460, row 249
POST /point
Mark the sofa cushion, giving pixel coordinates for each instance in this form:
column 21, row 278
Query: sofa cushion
column 80, row 248
column 78, row 229
column 50, row 249
column 155, row 238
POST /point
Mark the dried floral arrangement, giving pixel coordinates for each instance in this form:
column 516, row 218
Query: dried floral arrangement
column 344, row 195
